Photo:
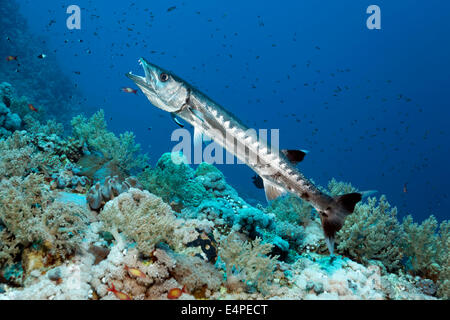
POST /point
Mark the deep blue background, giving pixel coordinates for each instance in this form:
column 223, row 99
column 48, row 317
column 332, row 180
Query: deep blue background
column 282, row 61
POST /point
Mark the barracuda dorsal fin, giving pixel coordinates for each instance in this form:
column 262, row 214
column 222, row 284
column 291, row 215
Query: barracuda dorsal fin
column 295, row 156
column 272, row 191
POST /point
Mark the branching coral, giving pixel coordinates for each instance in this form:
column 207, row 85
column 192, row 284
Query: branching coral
column 122, row 150
column 173, row 181
column 22, row 205
column 48, row 139
column 291, row 209
column 372, row 232
column 31, row 217
column 427, row 250
column 64, row 224
column 9, row 247
column 196, row 274
column 33, row 126
column 141, row 216
column 23, row 153
column 336, row 188
column 248, row 260
column 18, row 157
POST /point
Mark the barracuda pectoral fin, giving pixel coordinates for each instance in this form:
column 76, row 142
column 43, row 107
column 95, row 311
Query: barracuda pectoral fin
column 295, row 156
column 272, row 190
column 175, row 119
column 197, row 114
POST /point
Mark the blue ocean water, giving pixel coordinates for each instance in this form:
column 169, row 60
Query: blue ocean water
column 370, row 105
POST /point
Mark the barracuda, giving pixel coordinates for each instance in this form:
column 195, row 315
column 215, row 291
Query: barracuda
column 276, row 167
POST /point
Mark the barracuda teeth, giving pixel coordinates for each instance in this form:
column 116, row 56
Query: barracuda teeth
column 214, row 113
column 220, row 119
column 227, row 125
column 263, row 150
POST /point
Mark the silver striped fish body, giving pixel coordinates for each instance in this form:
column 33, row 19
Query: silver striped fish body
column 269, row 163
column 172, row 94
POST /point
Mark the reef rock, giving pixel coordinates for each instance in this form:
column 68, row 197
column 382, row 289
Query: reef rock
column 9, row 122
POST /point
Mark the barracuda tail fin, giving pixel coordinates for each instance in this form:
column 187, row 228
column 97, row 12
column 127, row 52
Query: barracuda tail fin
column 334, row 217
column 348, row 201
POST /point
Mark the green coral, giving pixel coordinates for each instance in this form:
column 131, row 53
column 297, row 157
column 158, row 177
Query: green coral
column 18, row 156
column 372, row 232
column 122, row 150
column 291, row 209
column 30, row 216
column 173, row 181
column 337, row 188
column 213, row 181
column 249, row 260
column 64, row 225
column 34, row 126
column 142, row 217
column 426, row 249
column 10, row 247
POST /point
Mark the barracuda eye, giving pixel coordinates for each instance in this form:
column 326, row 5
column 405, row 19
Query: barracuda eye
column 163, row 77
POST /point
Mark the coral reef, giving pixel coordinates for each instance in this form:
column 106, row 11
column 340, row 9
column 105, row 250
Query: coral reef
column 427, row 252
column 248, row 261
column 122, row 150
column 74, row 223
column 69, row 177
column 291, row 209
column 9, row 121
column 31, row 217
column 141, row 216
column 173, row 181
column 372, row 232
column 99, row 194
